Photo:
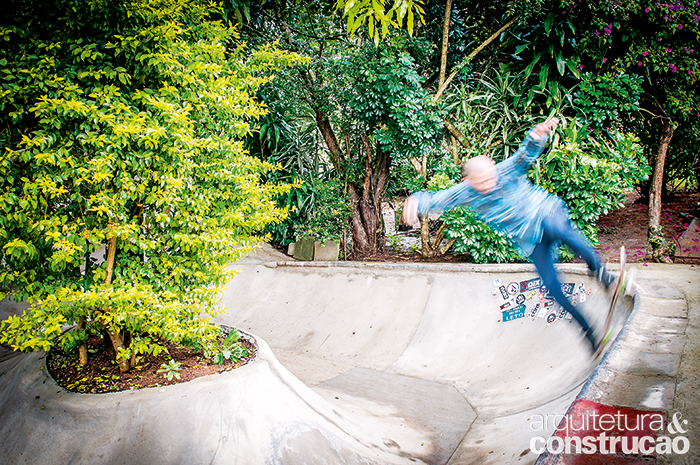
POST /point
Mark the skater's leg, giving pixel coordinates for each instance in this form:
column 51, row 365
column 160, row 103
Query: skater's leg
column 543, row 260
column 560, row 229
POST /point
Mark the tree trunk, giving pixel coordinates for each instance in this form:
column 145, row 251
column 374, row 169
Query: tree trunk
column 116, row 338
column 118, row 342
column 445, row 39
column 433, row 248
column 83, row 349
column 656, row 240
column 365, row 198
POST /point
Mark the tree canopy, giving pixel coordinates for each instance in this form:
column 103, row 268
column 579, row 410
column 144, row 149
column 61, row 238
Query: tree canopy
column 126, row 191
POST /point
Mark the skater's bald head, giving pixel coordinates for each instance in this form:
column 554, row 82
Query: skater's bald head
column 481, row 173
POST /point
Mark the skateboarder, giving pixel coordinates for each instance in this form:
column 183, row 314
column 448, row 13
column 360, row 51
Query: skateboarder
column 503, row 197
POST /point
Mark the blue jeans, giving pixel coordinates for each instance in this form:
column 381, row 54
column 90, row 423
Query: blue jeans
column 557, row 228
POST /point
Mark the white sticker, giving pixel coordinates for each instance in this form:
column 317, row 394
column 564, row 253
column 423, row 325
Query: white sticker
column 582, row 297
column 513, row 288
column 542, row 312
column 497, row 282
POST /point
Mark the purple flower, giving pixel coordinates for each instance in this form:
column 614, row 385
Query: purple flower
column 597, row 33
column 646, row 10
column 673, row 67
column 604, row 60
column 680, row 26
column 645, row 54
column 639, row 63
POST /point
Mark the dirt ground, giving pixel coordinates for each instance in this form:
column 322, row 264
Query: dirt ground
column 628, row 226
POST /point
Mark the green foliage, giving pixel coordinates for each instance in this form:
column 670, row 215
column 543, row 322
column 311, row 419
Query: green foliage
column 592, row 175
column 478, row 239
column 329, row 213
column 388, row 98
column 492, row 114
column 170, row 370
column 375, row 15
column 125, row 121
column 606, row 100
column 230, row 349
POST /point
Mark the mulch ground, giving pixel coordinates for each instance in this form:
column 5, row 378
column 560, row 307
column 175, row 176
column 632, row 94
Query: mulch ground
column 102, row 374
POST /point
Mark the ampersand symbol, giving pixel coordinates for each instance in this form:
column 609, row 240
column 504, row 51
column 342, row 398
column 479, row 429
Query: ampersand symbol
column 675, row 427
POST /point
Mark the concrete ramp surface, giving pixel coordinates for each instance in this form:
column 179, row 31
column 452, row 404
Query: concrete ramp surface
column 366, row 364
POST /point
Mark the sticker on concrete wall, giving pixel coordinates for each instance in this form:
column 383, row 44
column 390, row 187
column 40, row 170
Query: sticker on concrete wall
column 582, row 297
column 520, row 298
column 497, row 282
column 562, row 313
column 568, row 288
column 506, row 305
column 530, row 285
column 534, row 311
column 581, row 288
column 514, row 314
column 504, row 293
column 530, row 294
column 513, row 288
column 551, row 318
column 544, row 290
column 542, row 312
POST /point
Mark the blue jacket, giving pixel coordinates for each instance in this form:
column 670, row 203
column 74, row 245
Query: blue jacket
column 515, row 206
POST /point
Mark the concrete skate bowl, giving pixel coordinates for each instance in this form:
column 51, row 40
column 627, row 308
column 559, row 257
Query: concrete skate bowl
column 366, row 364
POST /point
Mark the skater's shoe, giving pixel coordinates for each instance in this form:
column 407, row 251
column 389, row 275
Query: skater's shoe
column 605, row 277
column 629, row 286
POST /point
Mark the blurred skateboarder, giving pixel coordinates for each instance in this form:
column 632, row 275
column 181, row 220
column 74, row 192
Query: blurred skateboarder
column 503, row 197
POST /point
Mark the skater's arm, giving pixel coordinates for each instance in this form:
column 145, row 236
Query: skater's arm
column 533, row 145
column 423, row 202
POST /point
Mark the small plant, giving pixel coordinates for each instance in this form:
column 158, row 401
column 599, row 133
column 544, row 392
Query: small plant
column 393, row 240
column 230, row 349
column 170, row 369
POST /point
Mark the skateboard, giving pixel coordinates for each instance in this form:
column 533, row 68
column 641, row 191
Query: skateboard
column 620, row 287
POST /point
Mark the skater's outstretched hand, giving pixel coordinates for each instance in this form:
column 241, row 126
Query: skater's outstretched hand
column 410, row 211
column 543, row 129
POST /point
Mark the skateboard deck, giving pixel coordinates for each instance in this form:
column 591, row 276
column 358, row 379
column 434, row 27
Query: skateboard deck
column 619, row 289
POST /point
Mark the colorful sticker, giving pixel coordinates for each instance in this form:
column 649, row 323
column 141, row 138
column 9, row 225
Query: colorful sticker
column 530, row 295
column 534, row 311
column 514, row 314
column 513, row 288
column 520, row 299
column 506, row 305
column 530, row 285
column 568, row 288
column 551, row 318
